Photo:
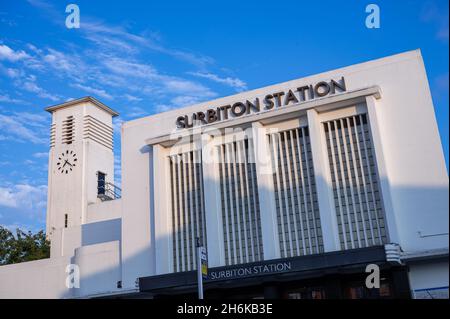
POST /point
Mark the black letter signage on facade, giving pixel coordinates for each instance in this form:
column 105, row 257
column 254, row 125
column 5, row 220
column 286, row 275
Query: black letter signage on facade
column 275, row 99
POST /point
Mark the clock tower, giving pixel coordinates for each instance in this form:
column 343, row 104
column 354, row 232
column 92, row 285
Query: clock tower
column 81, row 161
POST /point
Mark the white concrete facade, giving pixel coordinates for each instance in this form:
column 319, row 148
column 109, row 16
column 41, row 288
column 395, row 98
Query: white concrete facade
column 386, row 105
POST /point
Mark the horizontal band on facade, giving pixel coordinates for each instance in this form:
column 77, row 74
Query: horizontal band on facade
column 302, row 267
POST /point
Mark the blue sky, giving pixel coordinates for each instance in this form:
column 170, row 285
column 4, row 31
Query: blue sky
column 144, row 57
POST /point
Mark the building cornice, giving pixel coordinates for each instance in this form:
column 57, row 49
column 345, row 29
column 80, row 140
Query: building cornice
column 85, row 99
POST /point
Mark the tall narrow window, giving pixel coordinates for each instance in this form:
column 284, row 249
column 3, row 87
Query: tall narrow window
column 66, row 220
column 101, row 183
column 240, row 203
column 354, row 176
column 298, row 216
column 188, row 213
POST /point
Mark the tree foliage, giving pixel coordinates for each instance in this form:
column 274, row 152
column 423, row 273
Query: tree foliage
column 23, row 246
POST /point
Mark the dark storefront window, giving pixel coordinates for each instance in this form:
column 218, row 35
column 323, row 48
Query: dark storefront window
column 306, row 293
column 358, row 290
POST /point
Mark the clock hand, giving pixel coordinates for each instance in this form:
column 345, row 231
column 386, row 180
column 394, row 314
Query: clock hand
column 66, row 162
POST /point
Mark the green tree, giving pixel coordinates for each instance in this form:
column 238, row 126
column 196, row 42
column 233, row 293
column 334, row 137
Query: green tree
column 24, row 246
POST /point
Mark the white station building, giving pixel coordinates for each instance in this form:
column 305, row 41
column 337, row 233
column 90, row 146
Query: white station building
column 294, row 189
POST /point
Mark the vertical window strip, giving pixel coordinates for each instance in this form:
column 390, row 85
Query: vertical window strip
column 255, row 199
column 353, row 216
column 199, row 224
column 236, row 202
column 353, row 154
column 249, row 217
column 188, row 219
column 192, row 222
column 336, row 182
column 186, row 213
column 232, row 206
column 300, row 182
column 224, row 193
column 240, row 207
column 355, row 182
column 366, row 143
column 174, row 201
column 243, row 212
column 345, row 187
column 312, row 193
column 278, row 192
column 289, row 160
column 360, row 167
column 298, row 216
column 284, row 180
column 181, row 211
column 203, row 238
column 308, row 207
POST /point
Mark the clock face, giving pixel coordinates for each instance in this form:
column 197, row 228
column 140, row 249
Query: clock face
column 66, row 162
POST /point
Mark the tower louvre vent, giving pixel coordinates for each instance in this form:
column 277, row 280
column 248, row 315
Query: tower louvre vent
column 68, row 130
column 97, row 131
column 52, row 134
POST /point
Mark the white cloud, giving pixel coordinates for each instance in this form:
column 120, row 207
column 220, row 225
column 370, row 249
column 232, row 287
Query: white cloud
column 25, row 200
column 111, row 44
column 33, row 119
column 130, row 68
column 65, row 63
column 25, row 127
column 6, row 53
column 58, row 60
column 235, row 83
column 5, row 98
column 31, row 86
column 23, row 227
column 442, row 81
column 177, row 102
column 40, row 155
column 181, row 86
column 185, row 100
column 132, row 98
column 12, row 73
column 118, row 38
column 136, row 112
column 92, row 90
column 437, row 16
column 7, row 198
column 440, row 85
column 117, row 125
column 156, row 84
column 159, row 108
column 112, row 62
column 40, row 4
column 117, row 170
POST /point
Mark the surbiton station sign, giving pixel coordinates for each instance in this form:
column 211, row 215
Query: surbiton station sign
column 268, row 102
